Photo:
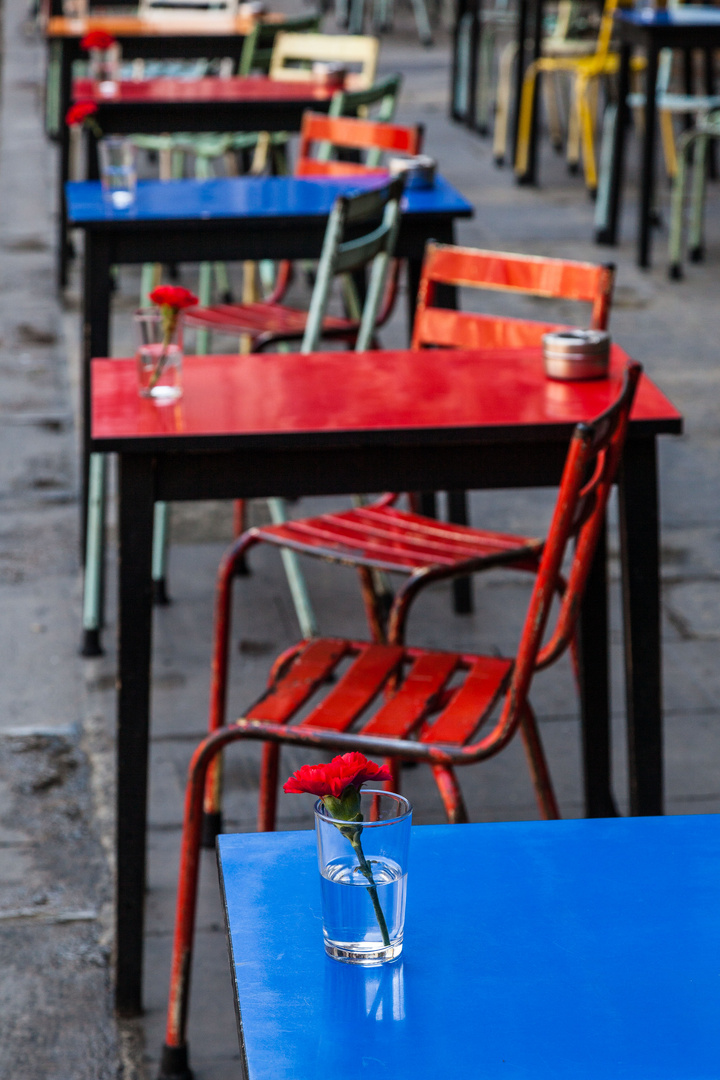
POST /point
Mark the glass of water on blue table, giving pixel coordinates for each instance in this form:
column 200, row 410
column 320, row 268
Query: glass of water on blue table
column 118, row 171
column 363, row 874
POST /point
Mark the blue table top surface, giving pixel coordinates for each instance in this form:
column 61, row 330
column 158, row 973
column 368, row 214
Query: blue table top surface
column 573, row 950
column 687, row 15
column 269, row 196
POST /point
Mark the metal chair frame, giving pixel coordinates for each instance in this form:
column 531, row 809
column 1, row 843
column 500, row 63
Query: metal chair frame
column 409, row 704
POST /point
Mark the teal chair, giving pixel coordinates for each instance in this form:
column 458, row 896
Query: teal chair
column 694, row 141
column 380, row 209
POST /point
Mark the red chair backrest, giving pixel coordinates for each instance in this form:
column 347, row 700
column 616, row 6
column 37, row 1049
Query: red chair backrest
column 445, row 264
column 349, row 133
column 590, row 469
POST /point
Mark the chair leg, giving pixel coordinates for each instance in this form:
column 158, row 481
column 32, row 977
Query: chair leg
column 202, row 339
column 296, row 581
column 587, row 134
column 422, row 22
column 550, row 94
column 667, row 133
column 677, row 208
column 161, row 540
column 502, row 112
column 527, row 99
column 697, row 199
column 94, row 554
column 572, row 153
column 267, row 799
column 229, row 567
column 538, row 765
column 451, row 794
column 174, row 1062
column 374, row 604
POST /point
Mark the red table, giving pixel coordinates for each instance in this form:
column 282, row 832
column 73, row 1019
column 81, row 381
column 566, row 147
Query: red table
column 326, row 423
column 153, row 106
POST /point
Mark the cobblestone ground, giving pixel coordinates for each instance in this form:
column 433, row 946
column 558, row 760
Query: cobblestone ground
column 57, row 715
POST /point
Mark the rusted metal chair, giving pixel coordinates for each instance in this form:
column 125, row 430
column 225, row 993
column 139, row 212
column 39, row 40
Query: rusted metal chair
column 269, row 321
column 380, row 537
column 408, row 703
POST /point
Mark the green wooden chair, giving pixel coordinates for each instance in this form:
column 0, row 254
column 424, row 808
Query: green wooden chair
column 380, row 210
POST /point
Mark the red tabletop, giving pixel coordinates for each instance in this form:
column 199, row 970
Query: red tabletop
column 236, row 88
column 336, row 396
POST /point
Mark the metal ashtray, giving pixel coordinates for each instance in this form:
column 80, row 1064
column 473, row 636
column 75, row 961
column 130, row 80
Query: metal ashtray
column 418, row 170
column 576, row 354
column 252, row 9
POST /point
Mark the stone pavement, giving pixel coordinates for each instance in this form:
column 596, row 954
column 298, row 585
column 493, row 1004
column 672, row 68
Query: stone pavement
column 57, row 716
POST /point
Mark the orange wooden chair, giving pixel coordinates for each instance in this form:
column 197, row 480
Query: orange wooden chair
column 267, row 322
column 403, row 703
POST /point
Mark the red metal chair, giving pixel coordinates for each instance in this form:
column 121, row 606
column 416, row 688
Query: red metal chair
column 269, row 321
column 382, row 538
column 409, row 703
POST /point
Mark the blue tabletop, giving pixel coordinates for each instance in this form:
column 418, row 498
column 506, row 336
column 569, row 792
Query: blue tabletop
column 686, row 15
column 573, row 950
column 245, row 196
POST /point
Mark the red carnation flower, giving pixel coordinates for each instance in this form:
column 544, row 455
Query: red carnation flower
column 173, row 296
column 338, row 785
column 80, row 112
column 349, row 770
column 97, row 39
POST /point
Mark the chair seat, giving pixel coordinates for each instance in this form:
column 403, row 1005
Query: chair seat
column 386, row 538
column 395, row 692
column 263, row 319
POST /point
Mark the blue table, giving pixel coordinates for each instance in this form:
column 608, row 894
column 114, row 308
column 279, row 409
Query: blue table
column 687, row 27
column 228, row 219
column 533, row 951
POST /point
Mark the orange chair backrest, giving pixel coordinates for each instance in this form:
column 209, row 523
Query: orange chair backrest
column 557, row 279
column 349, row 133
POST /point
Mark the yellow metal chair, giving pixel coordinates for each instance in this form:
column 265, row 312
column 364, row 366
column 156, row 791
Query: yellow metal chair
column 586, row 72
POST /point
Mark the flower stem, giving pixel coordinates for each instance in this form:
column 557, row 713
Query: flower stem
column 366, row 870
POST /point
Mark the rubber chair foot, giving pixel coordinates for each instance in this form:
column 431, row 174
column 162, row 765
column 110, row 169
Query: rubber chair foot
column 174, row 1063
column 696, row 254
column 173, row 271
column 211, row 829
column 573, row 167
column 499, row 162
column 160, row 595
column 592, row 192
column 227, row 297
column 525, row 180
column 656, row 219
column 675, row 272
column 427, row 42
column 90, row 645
column 557, row 147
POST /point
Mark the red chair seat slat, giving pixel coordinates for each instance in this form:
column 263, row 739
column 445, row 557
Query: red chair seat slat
column 407, row 708
column 261, row 318
column 310, row 668
column 472, row 701
column 356, row 689
column 394, row 540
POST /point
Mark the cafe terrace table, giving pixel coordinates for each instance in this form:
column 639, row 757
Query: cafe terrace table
column 547, row 950
column 329, row 423
column 686, row 27
column 250, row 103
column 168, row 39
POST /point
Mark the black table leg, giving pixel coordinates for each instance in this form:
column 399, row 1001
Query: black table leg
column 647, row 172
column 134, row 653
column 607, row 232
column 592, row 639
column 462, row 587
column 640, row 556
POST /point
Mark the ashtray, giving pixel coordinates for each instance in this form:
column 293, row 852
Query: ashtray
column 418, row 170
column 252, row 9
column 576, row 354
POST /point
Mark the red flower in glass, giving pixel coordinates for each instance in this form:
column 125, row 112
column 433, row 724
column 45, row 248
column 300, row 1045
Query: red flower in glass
column 349, row 770
column 173, row 296
column 80, row 112
column 97, row 39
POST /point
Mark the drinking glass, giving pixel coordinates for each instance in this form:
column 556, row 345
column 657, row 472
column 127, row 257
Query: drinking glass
column 159, row 363
column 363, row 874
column 118, row 173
